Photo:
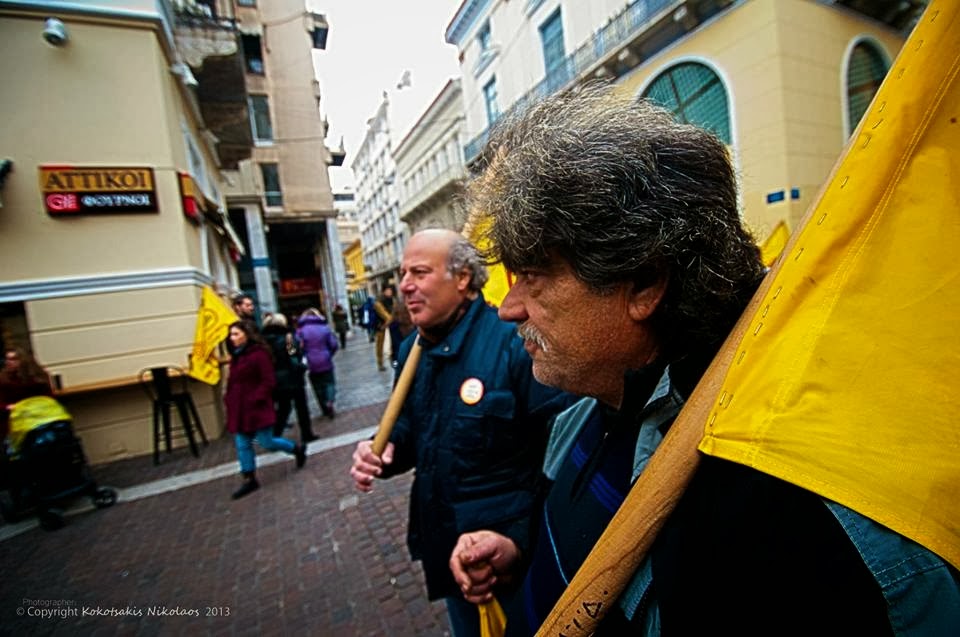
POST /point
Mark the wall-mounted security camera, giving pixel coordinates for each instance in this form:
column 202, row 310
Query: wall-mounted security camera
column 55, row 32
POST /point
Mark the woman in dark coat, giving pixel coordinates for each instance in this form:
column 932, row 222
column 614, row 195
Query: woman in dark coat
column 249, row 403
column 289, row 371
column 21, row 377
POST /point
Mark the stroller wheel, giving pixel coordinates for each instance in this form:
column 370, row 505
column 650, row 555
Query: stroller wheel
column 52, row 519
column 104, row 497
column 8, row 509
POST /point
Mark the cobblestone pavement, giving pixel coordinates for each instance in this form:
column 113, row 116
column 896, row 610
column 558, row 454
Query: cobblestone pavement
column 307, row 554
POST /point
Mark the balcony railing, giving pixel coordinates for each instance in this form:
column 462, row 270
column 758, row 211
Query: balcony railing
column 622, row 28
column 205, row 13
column 452, row 174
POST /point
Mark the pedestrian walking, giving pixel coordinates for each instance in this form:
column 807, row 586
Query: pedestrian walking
column 400, row 327
column 383, row 314
column 249, row 404
column 290, row 372
column 474, row 425
column 340, row 324
column 319, row 345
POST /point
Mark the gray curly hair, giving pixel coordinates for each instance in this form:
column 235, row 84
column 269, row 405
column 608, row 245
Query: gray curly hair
column 623, row 193
column 464, row 255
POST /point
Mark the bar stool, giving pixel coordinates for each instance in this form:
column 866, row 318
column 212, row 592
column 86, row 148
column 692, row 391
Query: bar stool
column 166, row 387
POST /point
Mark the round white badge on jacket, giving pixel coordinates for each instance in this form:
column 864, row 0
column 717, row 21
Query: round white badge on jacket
column 471, row 391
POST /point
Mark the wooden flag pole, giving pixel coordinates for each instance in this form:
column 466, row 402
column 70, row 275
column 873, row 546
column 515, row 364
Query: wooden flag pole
column 397, row 396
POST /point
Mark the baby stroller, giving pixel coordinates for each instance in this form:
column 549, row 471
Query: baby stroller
column 45, row 465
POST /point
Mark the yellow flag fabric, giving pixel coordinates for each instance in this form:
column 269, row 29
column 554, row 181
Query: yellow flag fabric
column 846, row 381
column 213, row 322
column 773, row 246
column 493, row 621
column 500, row 278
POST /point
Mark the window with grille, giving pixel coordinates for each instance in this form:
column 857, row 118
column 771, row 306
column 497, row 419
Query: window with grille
column 253, row 54
column 260, row 118
column 271, row 184
column 483, row 37
column 490, row 101
column 865, row 72
column 696, row 95
column 551, row 38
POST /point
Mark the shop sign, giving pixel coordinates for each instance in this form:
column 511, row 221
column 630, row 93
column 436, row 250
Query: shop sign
column 75, row 190
column 303, row 285
column 190, row 197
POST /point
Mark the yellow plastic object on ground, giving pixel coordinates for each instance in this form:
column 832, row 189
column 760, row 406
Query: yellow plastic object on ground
column 30, row 413
column 845, row 382
column 213, row 324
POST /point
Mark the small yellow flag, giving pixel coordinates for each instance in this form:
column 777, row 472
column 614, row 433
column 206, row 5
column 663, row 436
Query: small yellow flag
column 500, row 279
column 773, row 246
column 493, row 621
column 213, row 322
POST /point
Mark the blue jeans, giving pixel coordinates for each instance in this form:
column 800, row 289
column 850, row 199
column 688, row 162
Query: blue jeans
column 325, row 387
column 464, row 617
column 264, row 437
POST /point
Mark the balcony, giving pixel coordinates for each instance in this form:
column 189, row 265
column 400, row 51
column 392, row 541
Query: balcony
column 642, row 29
column 440, row 188
column 207, row 39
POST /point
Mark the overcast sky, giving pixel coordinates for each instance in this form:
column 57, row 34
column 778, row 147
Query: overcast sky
column 370, row 45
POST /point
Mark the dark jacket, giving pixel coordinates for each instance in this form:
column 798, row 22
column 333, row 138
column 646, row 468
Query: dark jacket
column 319, row 343
column 286, row 365
column 249, row 395
column 340, row 320
column 474, row 425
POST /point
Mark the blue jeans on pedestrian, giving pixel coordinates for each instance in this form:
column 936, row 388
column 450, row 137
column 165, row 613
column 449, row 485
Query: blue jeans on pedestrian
column 264, row 437
column 325, row 387
column 464, row 617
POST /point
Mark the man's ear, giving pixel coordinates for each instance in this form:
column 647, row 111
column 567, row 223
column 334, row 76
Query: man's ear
column 463, row 280
column 643, row 301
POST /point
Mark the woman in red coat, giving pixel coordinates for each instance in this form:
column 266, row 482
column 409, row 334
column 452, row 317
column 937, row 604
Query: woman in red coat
column 249, row 403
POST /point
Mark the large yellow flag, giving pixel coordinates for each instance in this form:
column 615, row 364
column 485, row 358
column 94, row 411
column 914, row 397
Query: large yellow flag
column 213, row 322
column 846, row 380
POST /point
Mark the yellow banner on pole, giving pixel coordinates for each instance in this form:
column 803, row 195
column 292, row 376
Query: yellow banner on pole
column 213, row 322
column 844, row 383
column 773, row 246
column 500, row 279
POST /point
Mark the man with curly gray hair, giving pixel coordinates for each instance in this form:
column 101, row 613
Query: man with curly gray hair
column 632, row 265
column 475, row 423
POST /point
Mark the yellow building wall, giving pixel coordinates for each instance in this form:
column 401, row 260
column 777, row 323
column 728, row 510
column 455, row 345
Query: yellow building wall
column 107, row 98
column 353, row 256
column 83, row 105
column 782, row 63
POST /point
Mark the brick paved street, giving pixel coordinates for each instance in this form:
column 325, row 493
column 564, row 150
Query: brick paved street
column 307, row 554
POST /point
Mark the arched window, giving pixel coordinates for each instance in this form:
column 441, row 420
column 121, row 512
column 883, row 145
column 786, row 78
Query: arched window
column 696, row 95
column 866, row 69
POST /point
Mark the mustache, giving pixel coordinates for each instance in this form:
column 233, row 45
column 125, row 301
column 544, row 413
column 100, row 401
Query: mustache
column 530, row 333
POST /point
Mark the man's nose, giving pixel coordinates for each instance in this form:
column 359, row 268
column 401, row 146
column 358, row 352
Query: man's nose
column 512, row 308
